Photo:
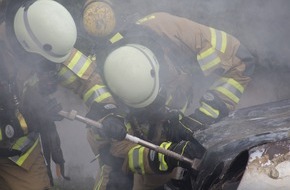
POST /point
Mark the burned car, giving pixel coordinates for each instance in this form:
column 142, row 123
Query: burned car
column 250, row 149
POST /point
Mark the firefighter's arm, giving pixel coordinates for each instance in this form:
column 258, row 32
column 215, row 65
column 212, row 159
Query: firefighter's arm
column 138, row 159
column 217, row 53
column 80, row 73
column 225, row 57
column 142, row 160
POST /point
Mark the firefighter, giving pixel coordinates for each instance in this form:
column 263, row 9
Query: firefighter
column 151, row 68
column 27, row 38
column 36, row 95
column 44, row 32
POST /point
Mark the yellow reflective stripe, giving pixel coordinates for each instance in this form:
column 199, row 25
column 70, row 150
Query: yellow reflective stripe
column 92, row 57
column 98, row 186
column 162, row 163
column 116, row 38
column 79, row 64
column 218, row 40
column 235, row 84
column 1, row 135
column 62, row 71
column 213, row 37
column 206, row 53
column 136, row 161
column 67, row 76
column 184, row 126
column 96, row 94
column 208, row 60
column 98, row 137
column 184, row 107
column 224, row 42
column 20, row 143
column 101, row 98
column 211, row 64
column 74, row 60
column 84, row 67
column 184, row 148
column 150, row 17
column 131, row 158
column 128, row 126
column 230, row 88
column 69, row 80
column 228, row 93
column 24, row 156
column 208, row 110
column 91, row 91
column 141, row 160
column 230, row 83
column 22, row 122
column 169, row 101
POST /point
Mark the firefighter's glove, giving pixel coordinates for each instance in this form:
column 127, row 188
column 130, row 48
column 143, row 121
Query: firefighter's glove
column 114, row 127
column 191, row 125
column 50, row 110
column 179, row 127
column 112, row 121
column 212, row 109
column 190, row 149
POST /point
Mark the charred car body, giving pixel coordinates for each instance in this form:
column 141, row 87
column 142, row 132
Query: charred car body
column 250, row 149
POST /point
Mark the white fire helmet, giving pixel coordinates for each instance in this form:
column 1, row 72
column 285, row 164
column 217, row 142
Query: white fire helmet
column 47, row 28
column 132, row 73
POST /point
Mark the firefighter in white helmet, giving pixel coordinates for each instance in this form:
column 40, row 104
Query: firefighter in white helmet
column 43, row 38
column 155, row 68
column 42, row 34
column 138, row 85
column 30, row 32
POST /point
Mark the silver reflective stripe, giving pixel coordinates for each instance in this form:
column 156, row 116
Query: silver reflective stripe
column 136, row 158
column 218, row 39
column 208, row 60
column 23, row 147
column 136, row 162
column 14, row 158
column 204, row 61
column 65, row 75
column 96, row 94
column 230, row 88
column 79, row 64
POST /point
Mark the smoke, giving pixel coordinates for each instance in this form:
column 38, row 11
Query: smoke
column 261, row 25
column 76, row 149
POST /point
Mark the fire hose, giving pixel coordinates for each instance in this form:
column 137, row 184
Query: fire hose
column 72, row 115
